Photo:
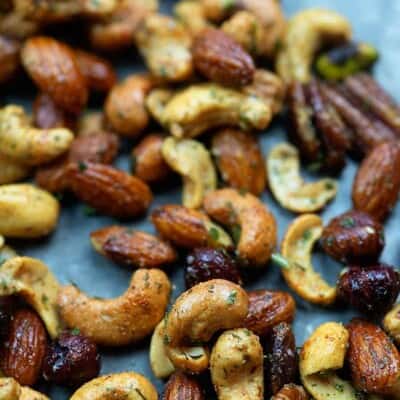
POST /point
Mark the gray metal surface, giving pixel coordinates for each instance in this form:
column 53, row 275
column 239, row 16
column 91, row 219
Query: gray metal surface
column 70, row 256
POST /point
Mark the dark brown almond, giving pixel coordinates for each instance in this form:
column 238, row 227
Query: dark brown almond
column 182, row 387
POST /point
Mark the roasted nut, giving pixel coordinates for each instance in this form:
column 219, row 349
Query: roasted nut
column 306, row 33
column 372, row 291
column 11, row 390
column 196, row 315
column 188, row 228
column 9, row 58
column 17, row 26
column 124, row 106
column 288, row 187
column 291, row 392
column 218, row 10
column 353, row 237
column 191, row 15
column 193, row 162
column 299, row 272
column 23, row 352
column 181, row 386
column 132, row 248
column 373, row 359
column 123, row 320
column 268, row 309
column 156, row 101
column 11, row 171
column 109, row 190
column 251, row 223
column 239, row 160
column 27, row 145
column 391, row 323
column 220, row 59
column 120, row 386
column 165, row 45
column 236, row 366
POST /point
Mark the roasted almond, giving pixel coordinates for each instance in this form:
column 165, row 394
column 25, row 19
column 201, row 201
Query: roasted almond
column 291, row 392
column 182, row 387
column 219, row 58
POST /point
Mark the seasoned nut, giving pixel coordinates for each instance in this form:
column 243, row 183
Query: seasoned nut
column 11, row 390
column 109, row 190
column 391, row 323
column 9, row 58
column 156, row 101
column 12, row 171
column 182, row 386
column 291, row 392
column 353, row 237
column 377, row 183
column 189, row 228
column 239, row 160
column 268, row 309
column 192, row 16
column 132, row 248
column 220, row 59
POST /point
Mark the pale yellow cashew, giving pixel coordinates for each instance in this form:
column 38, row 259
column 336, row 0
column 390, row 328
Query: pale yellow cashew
column 123, row 320
column 391, row 323
column 10, row 389
column 11, row 171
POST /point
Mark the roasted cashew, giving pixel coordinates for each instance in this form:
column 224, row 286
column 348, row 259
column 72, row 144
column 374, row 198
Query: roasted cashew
column 202, row 107
column 26, row 211
column 299, row 274
column 306, row 32
column 122, row 386
column 27, row 145
column 156, row 101
column 10, row 389
column 123, row 320
column 192, row 16
column 11, row 171
column 391, row 323
column 196, row 315
column 288, row 187
column 236, row 366
column 193, row 161
column 251, row 223
column 35, row 283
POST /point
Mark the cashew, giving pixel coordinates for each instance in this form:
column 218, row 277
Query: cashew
column 26, row 211
column 35, row 283
column 10, row 389
column 202, row 107
column 288, row 187
column 391, row 323
column 156, row 101
column 165, row 45
column 196, row 315
column 192, row 16
column 236, row 366
column 191, row 160
column 123, row 320
column 252, row 225
column 11, row 171
column 28, row 145
column 299, row 273
column 122, row 386
column 306, row 33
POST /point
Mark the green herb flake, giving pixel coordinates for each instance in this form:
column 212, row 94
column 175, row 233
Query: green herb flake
column 280, row 261
column 328, row 241
column 329, row 185
column 228, row 4
column 339, row 387
column 231, row 298
column 140, row 394
column 75, row 331
column 82, row 166
column 214, row 234
column 236, row 233
column 347, row 222
column 307, row 235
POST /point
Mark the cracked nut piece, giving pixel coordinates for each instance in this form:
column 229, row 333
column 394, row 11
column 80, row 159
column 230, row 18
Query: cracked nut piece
column 288, row 187
column 391, row 323
column 182, row 386
column 251, row 223
column 9, row 58
column 236, row 366
column 192, row 161
column 11, row 171
column 291, row 392
column 132, row 248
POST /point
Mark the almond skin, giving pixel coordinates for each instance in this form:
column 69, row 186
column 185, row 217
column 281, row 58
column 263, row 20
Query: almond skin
column 182, row 387
column 25, row 348
column 291, row 392
column 109, row 190
column 53, row 67
column 377, row 183
column 219, row 58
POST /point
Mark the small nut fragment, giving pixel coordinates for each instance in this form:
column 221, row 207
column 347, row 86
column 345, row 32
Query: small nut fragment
column 191, row 160
column 11, row 171
column 9, row 58
column 391, row 323
column 182, row 386
column 291, row 392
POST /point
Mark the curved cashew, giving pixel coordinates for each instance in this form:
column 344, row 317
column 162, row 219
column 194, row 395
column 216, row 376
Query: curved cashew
column 196, row 315
column 288, row 187
column 34, row 282
column 391, row 323
column 236, row 366
column 126, row 319
column 27, row 145
column 306, row 32
column 299, row 274
column 156, row 101
column 193, row 161
column 26, row 211
column 11, row 171
column 122, row 386
column 202, row 107
column 251, row 223
column 10, row 389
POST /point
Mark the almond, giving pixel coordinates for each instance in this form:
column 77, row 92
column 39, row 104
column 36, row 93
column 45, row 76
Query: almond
column 219, row 58
column 291, row 392
column 109, row 190
column 53, row 67
column 182, row 387
column 23, row 352
column 377, row 183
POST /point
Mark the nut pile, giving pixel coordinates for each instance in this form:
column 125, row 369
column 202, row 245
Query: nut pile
column 208, row 95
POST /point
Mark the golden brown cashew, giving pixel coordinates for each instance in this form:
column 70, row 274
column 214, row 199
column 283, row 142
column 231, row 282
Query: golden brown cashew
column 289, row 188
column 391, row 323
column 122, row 386
column 193, row 161
column 250, row 221
column 10, row 389
column 306, row 32
column 27, row 145
column 11, row 171
column 236, row 366
column 196, row 315
column 123, row 320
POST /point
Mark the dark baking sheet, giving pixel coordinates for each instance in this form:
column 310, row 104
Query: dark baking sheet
column 69, row 253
